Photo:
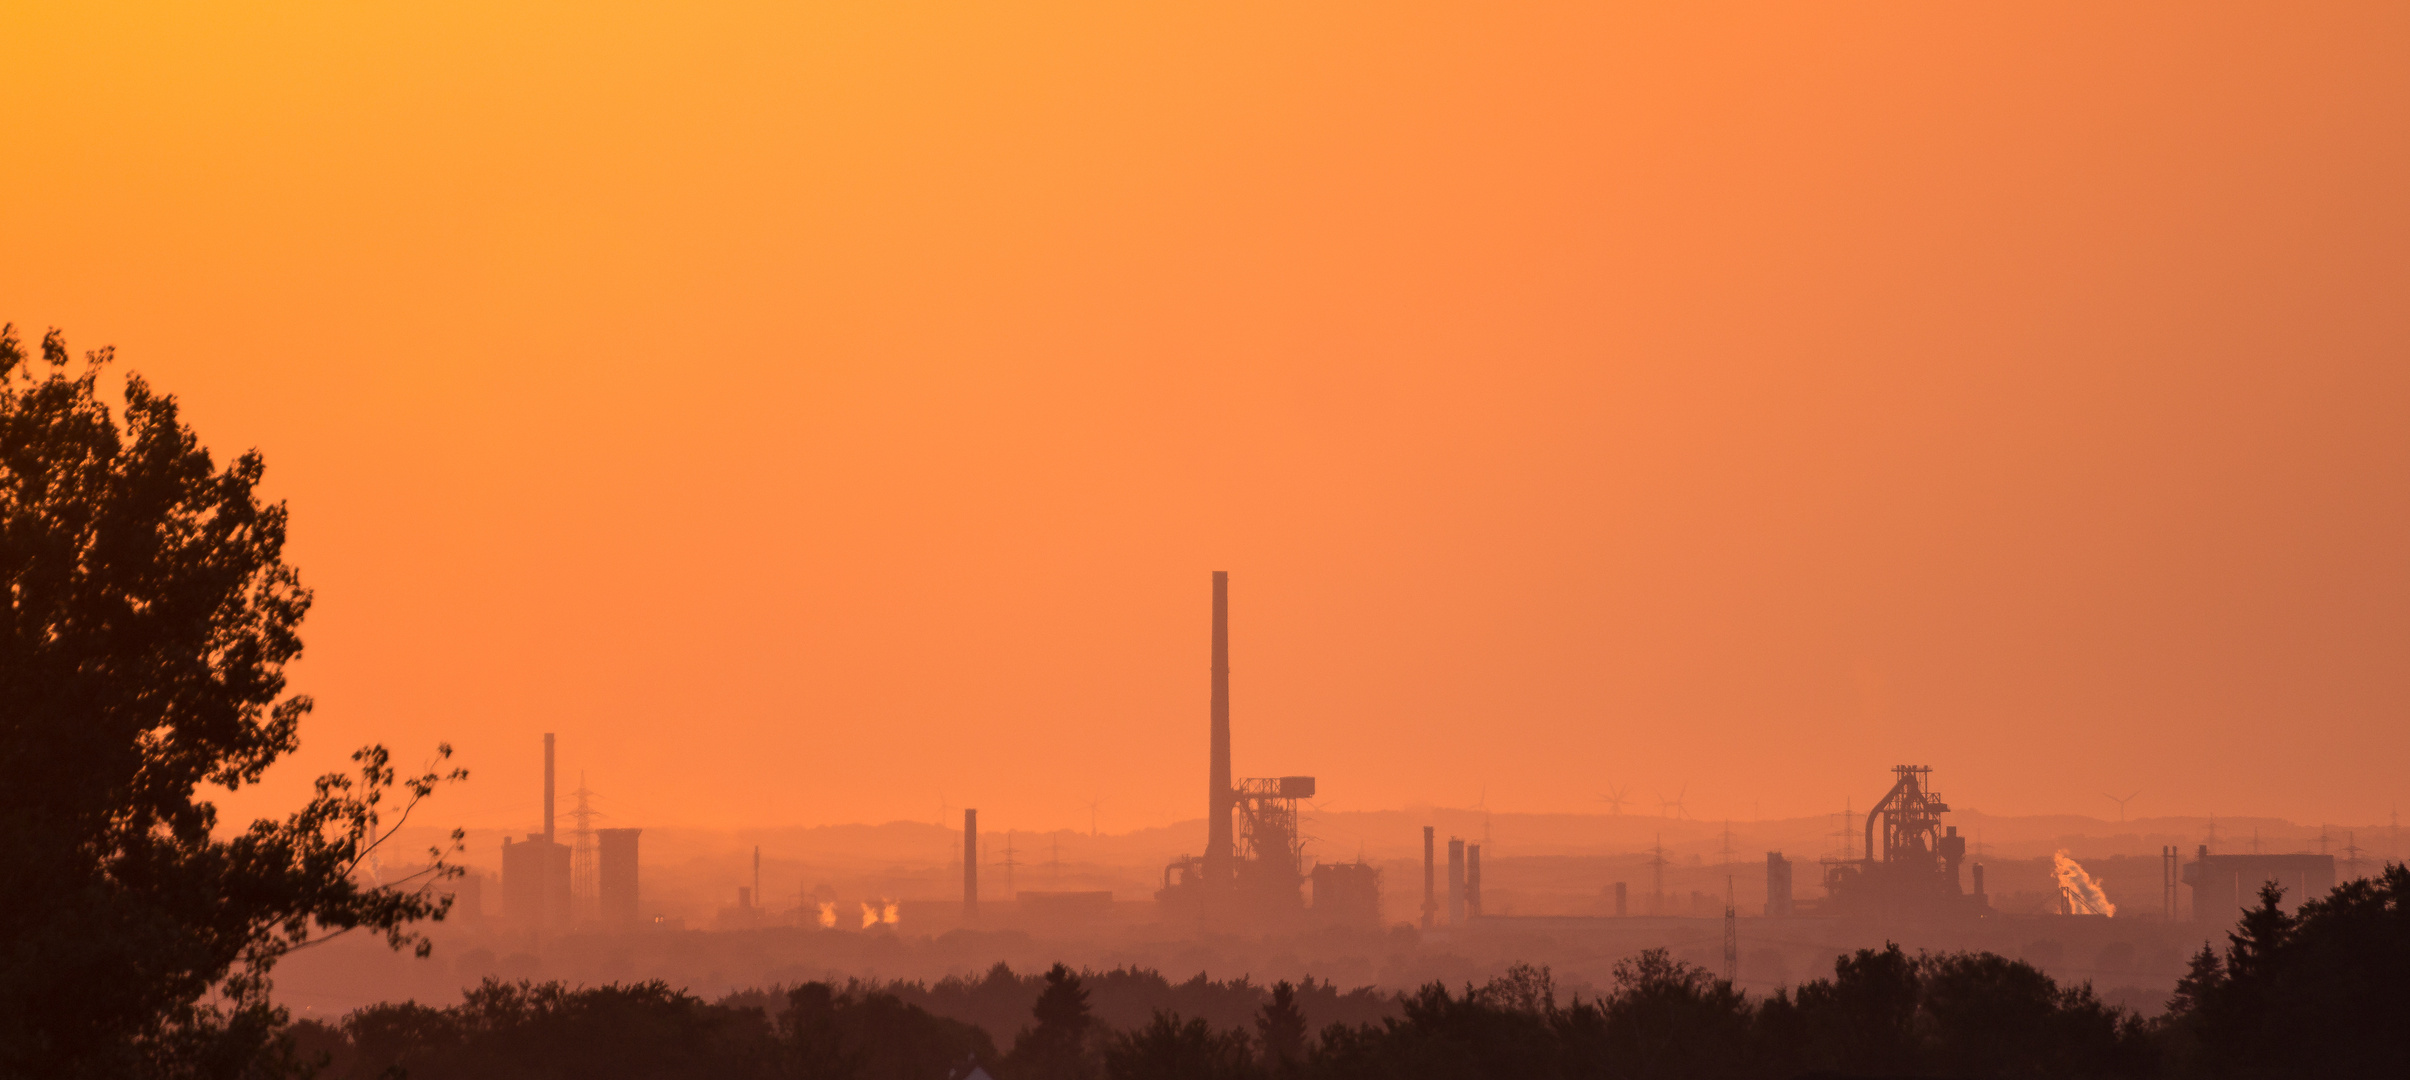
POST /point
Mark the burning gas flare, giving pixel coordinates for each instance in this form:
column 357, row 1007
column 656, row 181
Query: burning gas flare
column 828, row 913
column 875, row 912
column 2082, row 894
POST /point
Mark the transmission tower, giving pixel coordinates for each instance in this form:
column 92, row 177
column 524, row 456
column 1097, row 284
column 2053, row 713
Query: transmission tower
column 1845, row 832
column 585, row 875
column 1009, row 863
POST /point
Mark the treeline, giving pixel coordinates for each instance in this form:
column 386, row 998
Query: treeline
column 1120, row 998
column 2320, row 993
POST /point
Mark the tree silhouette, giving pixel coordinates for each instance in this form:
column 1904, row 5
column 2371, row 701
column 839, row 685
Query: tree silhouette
column 1057, row 1047
column 150, row 615
column 1168, row 1048
column 1281, row 1026
column 2318, row 992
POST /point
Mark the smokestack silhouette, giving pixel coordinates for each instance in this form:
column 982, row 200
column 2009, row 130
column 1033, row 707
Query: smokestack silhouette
column 1455, row 882
column 1217, row 830
column 1472, row 880
column 1430, row 882
column 547, row 787
column 970, row 865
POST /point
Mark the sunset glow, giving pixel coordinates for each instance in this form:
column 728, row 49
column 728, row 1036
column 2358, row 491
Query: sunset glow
column 832, row 413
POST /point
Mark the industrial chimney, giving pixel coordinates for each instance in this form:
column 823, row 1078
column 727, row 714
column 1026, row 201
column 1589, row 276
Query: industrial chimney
column 1430, row 883
column 1455, row 882
column 1218, row 867
column 970, row 865
column 548, row 838
column 1472, row 880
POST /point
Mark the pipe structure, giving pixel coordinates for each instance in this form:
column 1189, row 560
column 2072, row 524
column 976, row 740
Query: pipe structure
column 1220, row 795
column 1876, row 814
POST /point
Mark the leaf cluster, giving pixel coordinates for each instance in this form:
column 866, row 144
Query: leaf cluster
column 149, row 620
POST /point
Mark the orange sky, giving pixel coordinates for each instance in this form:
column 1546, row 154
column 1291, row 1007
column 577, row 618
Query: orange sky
column 816, row 411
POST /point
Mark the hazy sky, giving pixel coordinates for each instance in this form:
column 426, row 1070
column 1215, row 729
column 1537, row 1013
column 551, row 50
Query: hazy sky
column 816, row 411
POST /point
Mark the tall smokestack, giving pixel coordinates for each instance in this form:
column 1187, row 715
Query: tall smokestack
column 970, row 865
column 548, row 787
column 1455, row 882
column 1217, row 821
column 1430, row 882
column 1472, row 880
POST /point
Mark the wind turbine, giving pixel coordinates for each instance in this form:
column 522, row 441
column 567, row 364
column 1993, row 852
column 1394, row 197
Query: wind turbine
column 1673, row 804
column 1092, row 805
column 2120, row 804
column 1615, row 801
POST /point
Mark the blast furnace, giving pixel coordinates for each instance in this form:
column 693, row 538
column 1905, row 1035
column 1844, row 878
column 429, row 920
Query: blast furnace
column 1913, row 874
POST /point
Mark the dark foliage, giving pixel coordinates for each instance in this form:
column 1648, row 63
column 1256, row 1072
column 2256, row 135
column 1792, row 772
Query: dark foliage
column 1056, row 1047
column 1281, row 1028
column 1169, row 1048
column 647, row 1030
column 1128, row 998
column 1884, row 1013
column 2314, row 994
column 849, row 1036
column 150, row 616
column 2323, row 992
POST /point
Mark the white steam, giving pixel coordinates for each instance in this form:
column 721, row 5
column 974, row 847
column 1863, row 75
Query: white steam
column 2082, row 894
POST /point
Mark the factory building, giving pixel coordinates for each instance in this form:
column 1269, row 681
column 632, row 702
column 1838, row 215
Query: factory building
column 1347, row 894
column 2225, row 885
column 1254, row 866
column 535, row 871
column 618, row 874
